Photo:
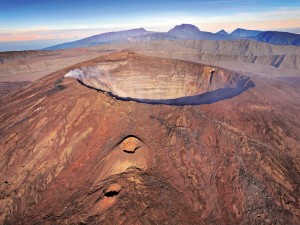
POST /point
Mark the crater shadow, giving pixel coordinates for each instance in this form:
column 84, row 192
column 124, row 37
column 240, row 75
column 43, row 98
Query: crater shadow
column 204, row 98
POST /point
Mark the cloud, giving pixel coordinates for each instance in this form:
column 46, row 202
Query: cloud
column 279, row 19
column 14, row 36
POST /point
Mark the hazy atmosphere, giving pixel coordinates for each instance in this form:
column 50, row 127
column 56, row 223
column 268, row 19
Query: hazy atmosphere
column 35, row 24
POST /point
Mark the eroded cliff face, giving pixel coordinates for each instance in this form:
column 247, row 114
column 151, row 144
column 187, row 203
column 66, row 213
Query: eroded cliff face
column 147, row 79
column 74, row 155
column 31, row 65
column 245, row 51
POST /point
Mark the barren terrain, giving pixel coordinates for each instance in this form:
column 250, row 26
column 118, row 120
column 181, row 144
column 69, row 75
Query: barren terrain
column 157, row 140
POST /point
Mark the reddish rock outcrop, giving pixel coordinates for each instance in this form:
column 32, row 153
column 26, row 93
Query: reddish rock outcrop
column 234, row 161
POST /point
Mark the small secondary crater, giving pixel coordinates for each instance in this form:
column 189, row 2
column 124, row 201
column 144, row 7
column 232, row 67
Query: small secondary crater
column 112, row 190
column 111, row 193
column 129, row 76
column 129, row 153
column 109, row 197
column 130, row 144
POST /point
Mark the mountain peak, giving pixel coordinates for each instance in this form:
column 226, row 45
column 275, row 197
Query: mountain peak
column 185, row 31
column 139, row 29
column 223, row 32
column 185, row 27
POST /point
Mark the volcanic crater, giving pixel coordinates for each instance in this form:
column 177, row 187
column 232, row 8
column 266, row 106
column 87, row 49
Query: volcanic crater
column 71, row 155
column 153, row 80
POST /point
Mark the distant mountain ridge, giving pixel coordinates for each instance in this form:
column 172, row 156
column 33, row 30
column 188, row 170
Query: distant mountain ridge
column 239, row 32
column 278, row 38
column 182, row 32
column 102, row 38
column 188, row 31
column 223, row 32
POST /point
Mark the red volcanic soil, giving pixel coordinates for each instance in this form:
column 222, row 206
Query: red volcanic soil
column 8, row 87
column 70, row 154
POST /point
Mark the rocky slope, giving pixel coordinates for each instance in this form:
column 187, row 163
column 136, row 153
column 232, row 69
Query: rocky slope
column 31, row 65
column 74, row 155
column 284, row 57
column 6, row 57
column 8, row 87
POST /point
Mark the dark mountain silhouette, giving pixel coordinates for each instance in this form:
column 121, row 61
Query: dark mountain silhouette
column 185, row 31
column 188, row 31
column 223, row 32
column 102, row 38
column 278, row 38
column 245, row 33
column 181, row 32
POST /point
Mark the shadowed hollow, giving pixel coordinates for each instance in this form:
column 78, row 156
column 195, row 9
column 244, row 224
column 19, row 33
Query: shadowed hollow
column 161, row 81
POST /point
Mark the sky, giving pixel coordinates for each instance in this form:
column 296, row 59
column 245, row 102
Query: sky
column 65, row 20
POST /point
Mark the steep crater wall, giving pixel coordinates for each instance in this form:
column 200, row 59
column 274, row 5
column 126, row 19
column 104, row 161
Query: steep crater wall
column 160, row 81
